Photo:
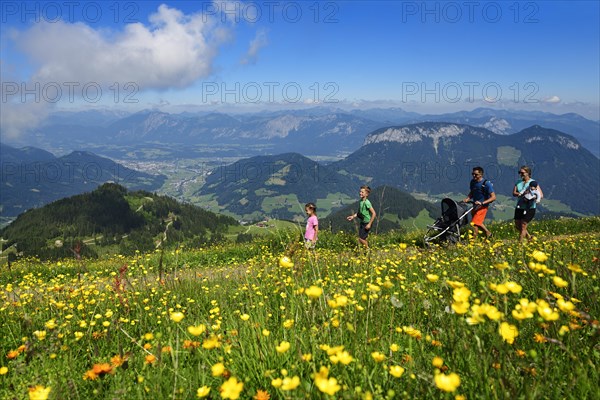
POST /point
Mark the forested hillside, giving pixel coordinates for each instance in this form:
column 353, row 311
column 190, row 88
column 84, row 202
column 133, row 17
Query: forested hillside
column 110, row 215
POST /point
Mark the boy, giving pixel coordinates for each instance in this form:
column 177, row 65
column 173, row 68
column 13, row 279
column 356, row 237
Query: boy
column 366, row 214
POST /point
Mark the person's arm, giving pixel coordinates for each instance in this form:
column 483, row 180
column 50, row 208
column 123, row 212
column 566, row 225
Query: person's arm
column 540, row 192
column 373, row 216
column 491, row 199
column 516, row 192
column 316, row 228
column 351, row 217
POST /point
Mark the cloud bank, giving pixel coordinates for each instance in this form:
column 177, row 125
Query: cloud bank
column 174, row 51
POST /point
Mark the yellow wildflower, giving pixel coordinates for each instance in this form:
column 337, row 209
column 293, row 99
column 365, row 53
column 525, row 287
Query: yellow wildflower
column 325, row 384
column 218, row 369
column 231, row 388
column 539, row 256
column 508, row 332
column 202, row 392
column 283, row 347
column 447, row 383
column 560, row 282
column 290, row 383
column 177, row 316
column 314, row 292
column 39, row 392
column 196, row 330
column 377, row 356
column 396, row 371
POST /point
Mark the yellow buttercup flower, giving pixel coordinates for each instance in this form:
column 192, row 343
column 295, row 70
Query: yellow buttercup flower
column 432, row 277
column 277, row 382
column 51, row 324
column 290, row 383
column 39, row 392
column 283, row 347
column 377, row 356
column 285, row 262
column 3, row 370
column 211, row 342
column 314, row 292
column 559, row 282
column 447, row 383
column 437, row 362
column 231, row 388
column 461, row 294
column 565, row 306
column 218, row 369
column 325, row 384
column 539, row 256
column 203, row 392
column 196, row 330
column 288, row 323
column 396, row 371
column 342, row 357
column 508, row 332
column 546, row 312
column 177, row 316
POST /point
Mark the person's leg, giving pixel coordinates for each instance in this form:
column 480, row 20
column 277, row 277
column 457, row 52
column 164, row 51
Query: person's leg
column 363, row 234
column 478, row 218
column 524, row 232
column 488, row 233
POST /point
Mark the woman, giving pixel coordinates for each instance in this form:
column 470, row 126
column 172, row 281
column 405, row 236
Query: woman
column 525, row 210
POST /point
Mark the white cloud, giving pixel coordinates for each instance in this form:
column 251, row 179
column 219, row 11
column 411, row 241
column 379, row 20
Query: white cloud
column 175, row 50
column 259, row 41
column 16, row 118
column 552, row 100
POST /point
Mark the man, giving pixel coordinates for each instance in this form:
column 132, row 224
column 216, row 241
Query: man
column 482, row 194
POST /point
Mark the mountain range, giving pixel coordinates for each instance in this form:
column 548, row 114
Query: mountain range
column 31, row 177
column 371, row 147
column 318, row 131
column 432, row 158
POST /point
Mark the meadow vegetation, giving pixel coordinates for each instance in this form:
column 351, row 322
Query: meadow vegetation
column 497, row 320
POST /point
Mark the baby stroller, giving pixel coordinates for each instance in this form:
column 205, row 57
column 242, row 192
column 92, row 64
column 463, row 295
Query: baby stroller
column 446, row 229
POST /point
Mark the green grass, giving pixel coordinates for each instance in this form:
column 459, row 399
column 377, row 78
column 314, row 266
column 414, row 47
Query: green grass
column 384, row 324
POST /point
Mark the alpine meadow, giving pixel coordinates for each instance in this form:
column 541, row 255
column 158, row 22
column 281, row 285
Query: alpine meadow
column 285, row 200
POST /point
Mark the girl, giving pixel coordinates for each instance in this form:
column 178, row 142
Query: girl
column 312, row 226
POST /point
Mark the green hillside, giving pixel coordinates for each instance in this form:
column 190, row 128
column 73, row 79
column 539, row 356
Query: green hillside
column 111, row 217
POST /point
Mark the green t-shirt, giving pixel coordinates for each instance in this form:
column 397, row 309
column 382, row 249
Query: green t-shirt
column 363, row 211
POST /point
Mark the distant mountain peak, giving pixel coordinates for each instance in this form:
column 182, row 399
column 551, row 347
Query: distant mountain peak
column 418, row 132
column 537, row 133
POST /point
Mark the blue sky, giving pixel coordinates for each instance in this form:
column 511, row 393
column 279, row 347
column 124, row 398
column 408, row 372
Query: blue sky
column 428, row 57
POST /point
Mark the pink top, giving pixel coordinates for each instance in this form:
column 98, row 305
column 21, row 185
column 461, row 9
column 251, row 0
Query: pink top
column 311, row 223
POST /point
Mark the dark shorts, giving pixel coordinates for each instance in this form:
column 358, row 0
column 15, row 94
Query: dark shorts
column 363, row 232
column 524, row 215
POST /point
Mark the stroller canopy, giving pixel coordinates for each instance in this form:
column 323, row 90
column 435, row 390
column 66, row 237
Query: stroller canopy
column 452, row 211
